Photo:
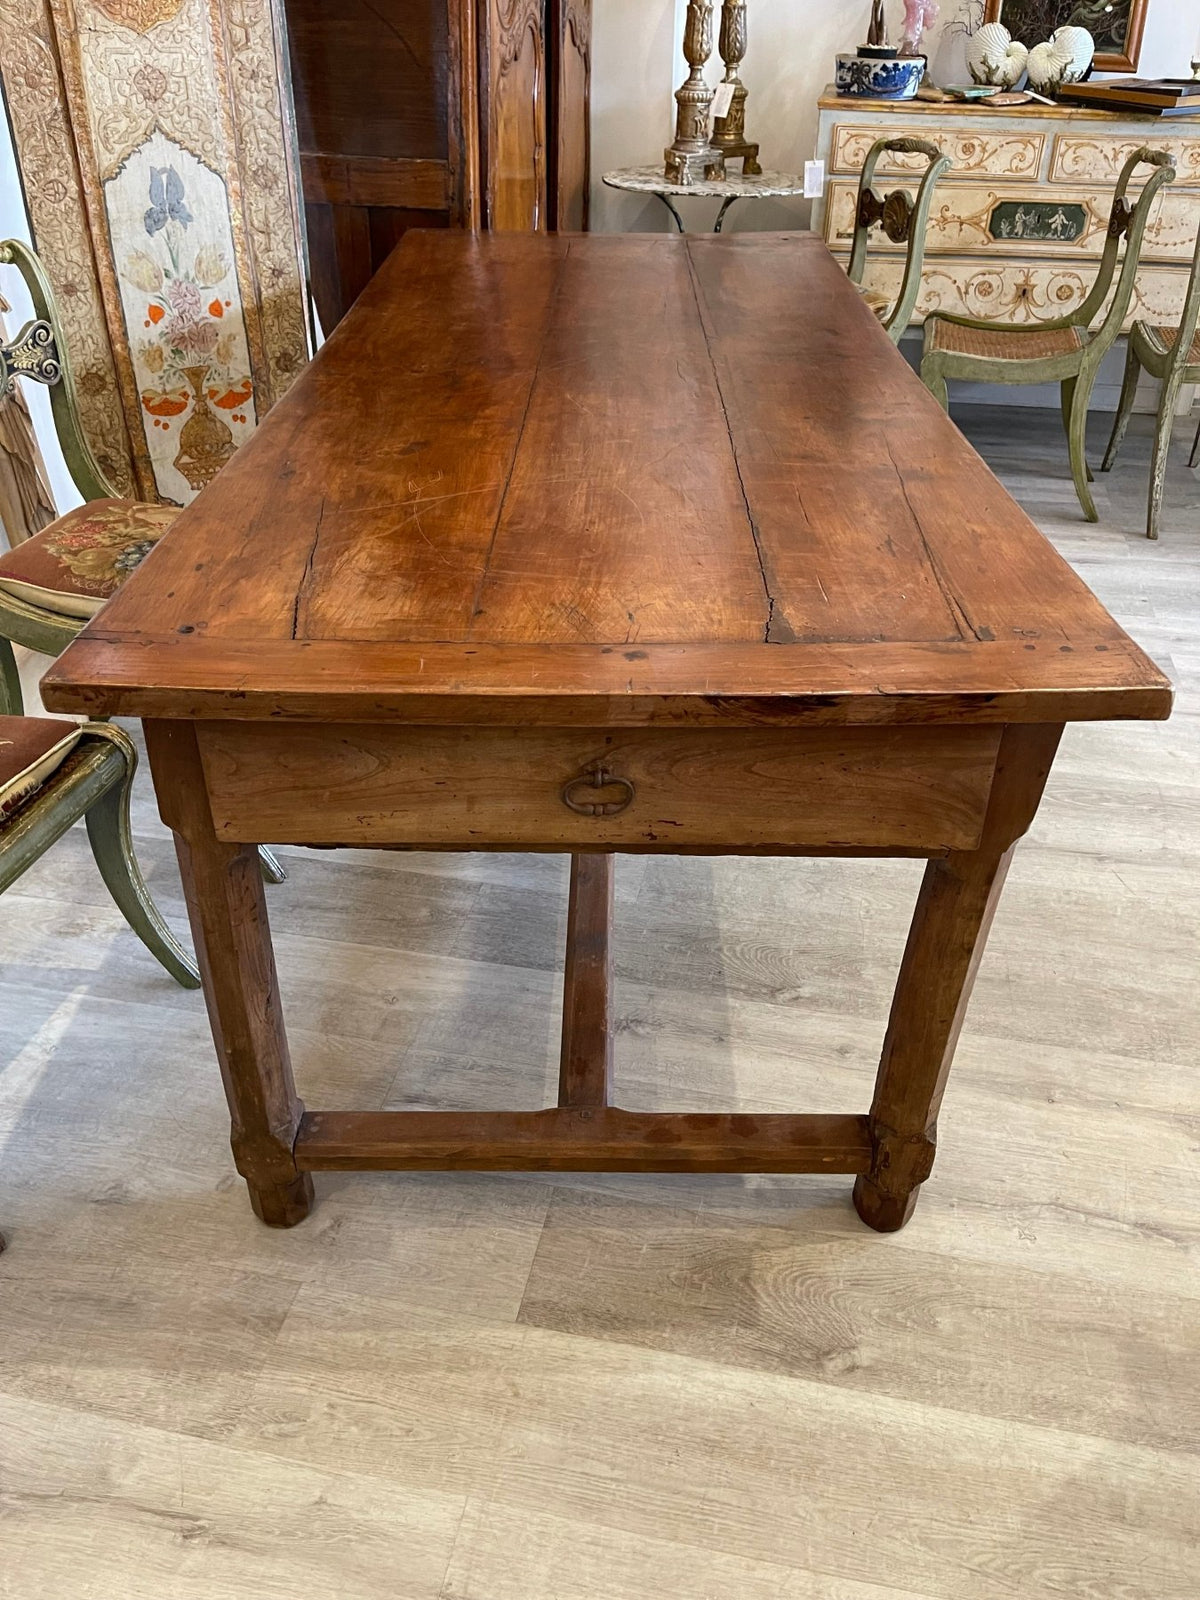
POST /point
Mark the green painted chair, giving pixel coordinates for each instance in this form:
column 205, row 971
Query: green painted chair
column 1068, row 350
column 1172, row 355
column 51, row 584
column 52, row 773
column 904, row 221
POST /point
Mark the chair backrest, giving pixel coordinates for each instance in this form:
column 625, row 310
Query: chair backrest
column 39, row 353
column 902, row 218
column 1126, row 223
column 1191, row 316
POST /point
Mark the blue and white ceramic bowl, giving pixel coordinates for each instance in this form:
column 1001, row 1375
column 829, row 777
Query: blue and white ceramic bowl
column 890, row 78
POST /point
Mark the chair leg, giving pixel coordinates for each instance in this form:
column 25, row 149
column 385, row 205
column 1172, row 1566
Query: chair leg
column 11, row 703
column 273, row 870
column 1133, row 371
column 1081, row 400
column 1194, row 458
column 112, row 845
column 1162, row 450
column 934, row 380
column 1068, row 402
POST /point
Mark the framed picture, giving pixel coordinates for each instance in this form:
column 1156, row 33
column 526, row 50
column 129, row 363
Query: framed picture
column 1116, row 25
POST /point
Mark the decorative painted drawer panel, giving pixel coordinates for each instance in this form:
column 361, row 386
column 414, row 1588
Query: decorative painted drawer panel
column 989, row 217
column 991, row 155
column 1009, row 291
column 1098, row 158
column 1018, row 224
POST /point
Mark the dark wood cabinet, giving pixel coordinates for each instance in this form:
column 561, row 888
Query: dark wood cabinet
column 434, row 113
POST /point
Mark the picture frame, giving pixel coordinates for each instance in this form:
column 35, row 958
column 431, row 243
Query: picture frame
column 1116, row 25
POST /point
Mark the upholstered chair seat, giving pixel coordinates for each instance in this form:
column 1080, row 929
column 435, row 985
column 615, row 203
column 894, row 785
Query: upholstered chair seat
column 52, row 773
column 31, row 750
column 1164, row 340
column 1003, row 343
column 77, row 563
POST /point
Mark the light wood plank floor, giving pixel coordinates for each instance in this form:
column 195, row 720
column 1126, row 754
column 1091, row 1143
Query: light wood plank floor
column 594, row 1388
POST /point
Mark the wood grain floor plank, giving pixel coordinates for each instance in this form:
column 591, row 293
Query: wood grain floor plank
column 502, row 1554
column 1003, row 1343
column 754, row 1464
column 96, row 1508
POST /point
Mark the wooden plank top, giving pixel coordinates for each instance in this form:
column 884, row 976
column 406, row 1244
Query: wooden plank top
column 607, row 480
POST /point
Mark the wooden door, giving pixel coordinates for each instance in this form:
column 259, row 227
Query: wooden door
column 570, row 37
column 535, row 76
column 513, row 46
column 434, row 113
column 384, row 98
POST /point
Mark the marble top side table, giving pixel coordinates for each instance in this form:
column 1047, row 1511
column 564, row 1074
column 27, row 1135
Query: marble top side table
column 729, row 189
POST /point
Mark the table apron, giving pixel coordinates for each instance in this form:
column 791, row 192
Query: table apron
column 920, row 790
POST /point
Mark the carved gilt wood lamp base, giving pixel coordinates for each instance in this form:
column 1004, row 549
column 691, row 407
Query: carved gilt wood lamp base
column 729, row 133
column 694, row 155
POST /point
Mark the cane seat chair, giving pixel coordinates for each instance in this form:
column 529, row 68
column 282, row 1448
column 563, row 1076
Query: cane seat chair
column 51, row 583
column 903, row 220
column 1067, row 350
column 1172, row 355
column 53, row 772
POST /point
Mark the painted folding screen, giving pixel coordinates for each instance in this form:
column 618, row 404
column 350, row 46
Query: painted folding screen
column 156, row 151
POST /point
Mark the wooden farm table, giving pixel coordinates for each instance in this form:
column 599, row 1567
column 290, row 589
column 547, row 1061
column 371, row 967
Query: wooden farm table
column 596, row 544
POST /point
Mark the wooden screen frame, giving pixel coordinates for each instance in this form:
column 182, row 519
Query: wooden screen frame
column 1106, row 61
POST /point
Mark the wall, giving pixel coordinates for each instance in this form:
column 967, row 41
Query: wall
column 638, row 63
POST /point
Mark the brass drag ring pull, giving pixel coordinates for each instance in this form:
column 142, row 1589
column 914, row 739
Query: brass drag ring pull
column 583, row 794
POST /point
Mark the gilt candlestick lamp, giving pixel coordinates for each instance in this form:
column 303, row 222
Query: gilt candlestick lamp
column 729, row 125
column 694, row 155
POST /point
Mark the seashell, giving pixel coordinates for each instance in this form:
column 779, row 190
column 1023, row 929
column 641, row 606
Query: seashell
column 1064, row 58
column 995, row 57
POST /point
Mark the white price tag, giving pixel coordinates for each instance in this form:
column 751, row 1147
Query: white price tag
column 814, row 180
column 722, row 100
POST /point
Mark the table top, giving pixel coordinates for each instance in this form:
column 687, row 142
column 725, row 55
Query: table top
column 733, row 186
column 607, row 479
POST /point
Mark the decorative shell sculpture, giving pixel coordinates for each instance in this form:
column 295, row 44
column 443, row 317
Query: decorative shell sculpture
column 994, row 56
column 1065, row 58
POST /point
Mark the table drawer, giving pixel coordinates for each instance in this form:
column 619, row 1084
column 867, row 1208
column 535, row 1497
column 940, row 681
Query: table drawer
column 636, row 789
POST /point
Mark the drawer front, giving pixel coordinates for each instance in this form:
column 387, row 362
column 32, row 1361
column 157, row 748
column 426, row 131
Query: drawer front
column 974, row 154
column 1099, row 157
column 1022, row 291
column 991, row 219
column 640, row 789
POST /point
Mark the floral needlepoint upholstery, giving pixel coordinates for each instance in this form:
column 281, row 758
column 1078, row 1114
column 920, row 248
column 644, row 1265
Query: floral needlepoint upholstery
column 31, row 748
column 73, row 566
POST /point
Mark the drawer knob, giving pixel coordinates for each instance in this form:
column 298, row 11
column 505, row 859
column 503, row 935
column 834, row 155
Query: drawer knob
column 585, row 794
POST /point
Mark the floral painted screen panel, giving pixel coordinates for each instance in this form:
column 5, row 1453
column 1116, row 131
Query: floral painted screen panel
column 156, row 144
column 182, row 307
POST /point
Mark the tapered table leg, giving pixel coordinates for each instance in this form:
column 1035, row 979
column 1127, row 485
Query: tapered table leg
column 228, row 912
column 954, row 914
